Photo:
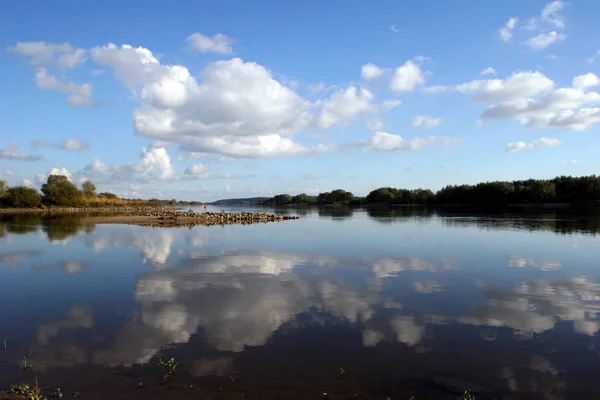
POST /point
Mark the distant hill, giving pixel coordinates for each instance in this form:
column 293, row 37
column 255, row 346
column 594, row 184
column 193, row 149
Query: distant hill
column 238, row 202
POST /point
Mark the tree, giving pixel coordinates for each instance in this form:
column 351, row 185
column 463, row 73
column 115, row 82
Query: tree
column 3, row 187
column 60, row 191
column 107, row 195
column 21, row 196
column 88, row 188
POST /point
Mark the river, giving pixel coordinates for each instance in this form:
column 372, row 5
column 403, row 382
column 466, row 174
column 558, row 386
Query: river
column 340, row 304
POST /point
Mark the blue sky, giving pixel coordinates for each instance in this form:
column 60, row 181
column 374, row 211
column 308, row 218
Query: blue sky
column 199, row 100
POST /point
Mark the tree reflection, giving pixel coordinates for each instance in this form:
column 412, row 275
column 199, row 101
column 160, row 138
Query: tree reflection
column 58, row 227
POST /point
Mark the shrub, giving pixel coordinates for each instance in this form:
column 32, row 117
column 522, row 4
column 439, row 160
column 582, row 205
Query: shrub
column 21, row 196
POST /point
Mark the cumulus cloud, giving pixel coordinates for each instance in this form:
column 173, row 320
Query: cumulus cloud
column 542, row 142
column 533, row 99
column 426, row 121
column 155, row 164
column 71, row 144
column 371, row 72
column 78, row 94
column 11, row 152
column 506, row 32
column 345, row 105
column 219, row 43
column 407, row 77
column 586, row 81
column 488, row 71
column 383, row 141
column 238, row 109
column 60, row 171
column 50, row 54
column 543, row 40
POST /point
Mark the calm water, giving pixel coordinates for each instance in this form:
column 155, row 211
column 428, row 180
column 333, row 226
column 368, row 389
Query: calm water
column 354, row 304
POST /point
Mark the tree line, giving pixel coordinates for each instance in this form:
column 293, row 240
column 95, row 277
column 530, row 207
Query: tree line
column 59, row 191
column 561, row 189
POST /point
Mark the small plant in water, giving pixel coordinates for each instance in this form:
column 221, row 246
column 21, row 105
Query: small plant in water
column 24, row 391
column 27, row 365
column 169, row 366
column 5, row 339
column 466, row 396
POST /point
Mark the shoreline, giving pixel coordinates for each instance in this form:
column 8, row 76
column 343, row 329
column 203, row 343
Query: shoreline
column 70, row 210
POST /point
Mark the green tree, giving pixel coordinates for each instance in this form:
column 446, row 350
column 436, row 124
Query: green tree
column 107, row 195
column 60, row 191
column 3, row 187
column 302, row 198
column 21, row 196
column 339, row 196
column 88, row 188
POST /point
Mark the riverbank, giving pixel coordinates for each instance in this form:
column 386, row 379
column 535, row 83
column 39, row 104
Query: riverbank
column 169, row 218
column 84, row 210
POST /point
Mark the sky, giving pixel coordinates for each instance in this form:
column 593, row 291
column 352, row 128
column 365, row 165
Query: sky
column 207, row 100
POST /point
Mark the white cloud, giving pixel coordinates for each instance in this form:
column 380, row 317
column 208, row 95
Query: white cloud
column 71, row 144
column 374, row 124
column 543, row 40
column 74, row 144
column 488, row 71
column 572, row 162
column 60, row 171
column 8, row 172
column 98, row 71
column 506, row 31
column 407, row 77
column 394, row 29
column 155, row 164
column 219, row 43
column 542, row 142
column 197, row 170
column 586, row 81
column 383, row 141
column 345, row 105
column 551, row 16
column 227, row 189
column 238, row 110
column 371, row 72
column 10, row 152
column 26, row 182
column 532, row 99
column 426, row 121
column 413, row 167
column 446, row 165
column 251, row 147
column 51, row 55
column 79, row 94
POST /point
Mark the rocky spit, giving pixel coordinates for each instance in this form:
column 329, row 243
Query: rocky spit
column 151, row 216
column 191, row 218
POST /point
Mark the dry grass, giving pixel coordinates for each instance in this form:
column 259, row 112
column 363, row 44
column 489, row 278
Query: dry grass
column 99, row 202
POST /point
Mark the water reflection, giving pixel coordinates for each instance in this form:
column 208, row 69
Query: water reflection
column 499, row 310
